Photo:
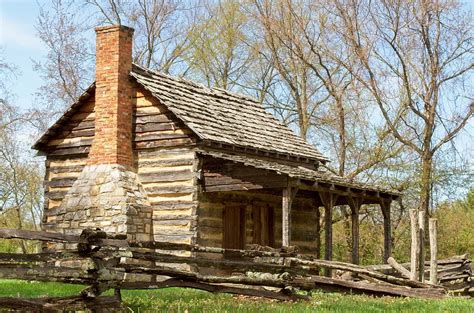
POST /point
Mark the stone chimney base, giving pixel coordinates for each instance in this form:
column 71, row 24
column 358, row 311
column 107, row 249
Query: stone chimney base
column 108, row 197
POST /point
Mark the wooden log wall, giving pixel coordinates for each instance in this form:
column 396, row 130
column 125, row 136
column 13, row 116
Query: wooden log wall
column 66, row 157
column 165, row 162
column 210, row 218
column 75, row 138
column 166, row 166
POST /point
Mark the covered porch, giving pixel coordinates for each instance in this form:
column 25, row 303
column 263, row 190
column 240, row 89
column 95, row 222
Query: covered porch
column 327, row 197
column 282, row 201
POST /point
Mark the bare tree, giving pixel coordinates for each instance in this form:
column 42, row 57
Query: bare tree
column 305, row 50
column 220, row 55
column 335, row 112
column 162, row 28
column 416, row 60
column 20, row 179
column 110, row 11
column 283, row 40
column 67, row 69
column 8, row 74
column 159, row 22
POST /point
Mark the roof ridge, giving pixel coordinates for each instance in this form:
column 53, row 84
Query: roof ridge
column 171, row 77
column 192, row 82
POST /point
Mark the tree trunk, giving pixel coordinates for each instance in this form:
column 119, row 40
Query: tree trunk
column 425, row 187
column 20, row 226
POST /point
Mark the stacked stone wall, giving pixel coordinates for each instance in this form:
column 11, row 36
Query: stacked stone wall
column 108, row 197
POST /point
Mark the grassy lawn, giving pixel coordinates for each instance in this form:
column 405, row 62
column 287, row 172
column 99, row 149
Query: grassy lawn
column 188, row 300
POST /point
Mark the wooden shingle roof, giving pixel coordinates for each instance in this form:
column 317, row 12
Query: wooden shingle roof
column 217, row 115
column 214, row 115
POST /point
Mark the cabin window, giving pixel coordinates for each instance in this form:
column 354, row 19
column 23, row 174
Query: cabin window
column 234, row 227
column 263, row 226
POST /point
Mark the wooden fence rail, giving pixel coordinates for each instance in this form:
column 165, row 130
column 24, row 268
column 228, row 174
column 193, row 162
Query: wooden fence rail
column 454, row 274
column 104, row 263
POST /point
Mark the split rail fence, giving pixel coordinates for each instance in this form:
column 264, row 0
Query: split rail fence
column 104, row 263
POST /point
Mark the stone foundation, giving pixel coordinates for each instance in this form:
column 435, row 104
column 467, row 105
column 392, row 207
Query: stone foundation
column 108, row 197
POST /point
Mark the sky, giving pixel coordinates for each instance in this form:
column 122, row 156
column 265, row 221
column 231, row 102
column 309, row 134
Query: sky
column 21, row 46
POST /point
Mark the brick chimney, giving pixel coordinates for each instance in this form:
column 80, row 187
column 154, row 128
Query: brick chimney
column 108, row 193
column 112, row 142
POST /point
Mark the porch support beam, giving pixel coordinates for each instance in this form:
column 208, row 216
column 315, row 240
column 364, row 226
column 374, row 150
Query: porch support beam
column 288, row 195
column 387, row 229
column 370, row 197
column 317, row 240
column 328, row 200
column 355, row 204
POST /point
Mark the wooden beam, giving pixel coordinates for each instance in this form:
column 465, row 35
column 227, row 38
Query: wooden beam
column 355, row 204
column 369, row 196
column 288, row 195
column 399, row 268
column 328, row 200
column 387, row 230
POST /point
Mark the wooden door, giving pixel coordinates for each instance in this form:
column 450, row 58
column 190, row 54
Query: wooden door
column 234, row 227
column 263, row 226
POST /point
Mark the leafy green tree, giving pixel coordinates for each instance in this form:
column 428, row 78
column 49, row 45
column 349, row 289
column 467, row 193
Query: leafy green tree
column 455, row 227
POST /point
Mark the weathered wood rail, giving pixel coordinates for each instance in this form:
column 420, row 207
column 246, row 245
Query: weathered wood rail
column 103, row 263
column 448, row 269
column 454, row 274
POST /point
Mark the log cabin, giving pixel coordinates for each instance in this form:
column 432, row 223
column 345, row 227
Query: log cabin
column 148, row 156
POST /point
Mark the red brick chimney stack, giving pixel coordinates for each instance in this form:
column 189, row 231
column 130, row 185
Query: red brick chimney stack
column 112, row 142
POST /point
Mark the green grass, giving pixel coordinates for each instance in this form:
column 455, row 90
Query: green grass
column 189, row 300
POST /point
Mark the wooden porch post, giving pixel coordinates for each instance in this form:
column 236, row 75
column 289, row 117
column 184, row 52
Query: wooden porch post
column 328, row 200
column 328, row 237
column 387, row 229
column 355, row 204
column 317, row 240
column 287, row 198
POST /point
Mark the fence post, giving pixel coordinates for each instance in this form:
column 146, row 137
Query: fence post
column 414, row 245
column 433, row 251
column 421, row 246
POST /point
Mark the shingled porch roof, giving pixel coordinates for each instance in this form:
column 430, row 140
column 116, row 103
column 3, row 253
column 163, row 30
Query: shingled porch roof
column 302, row 173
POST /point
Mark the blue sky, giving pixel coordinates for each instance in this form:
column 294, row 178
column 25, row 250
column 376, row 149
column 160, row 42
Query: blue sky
column 20, row 44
